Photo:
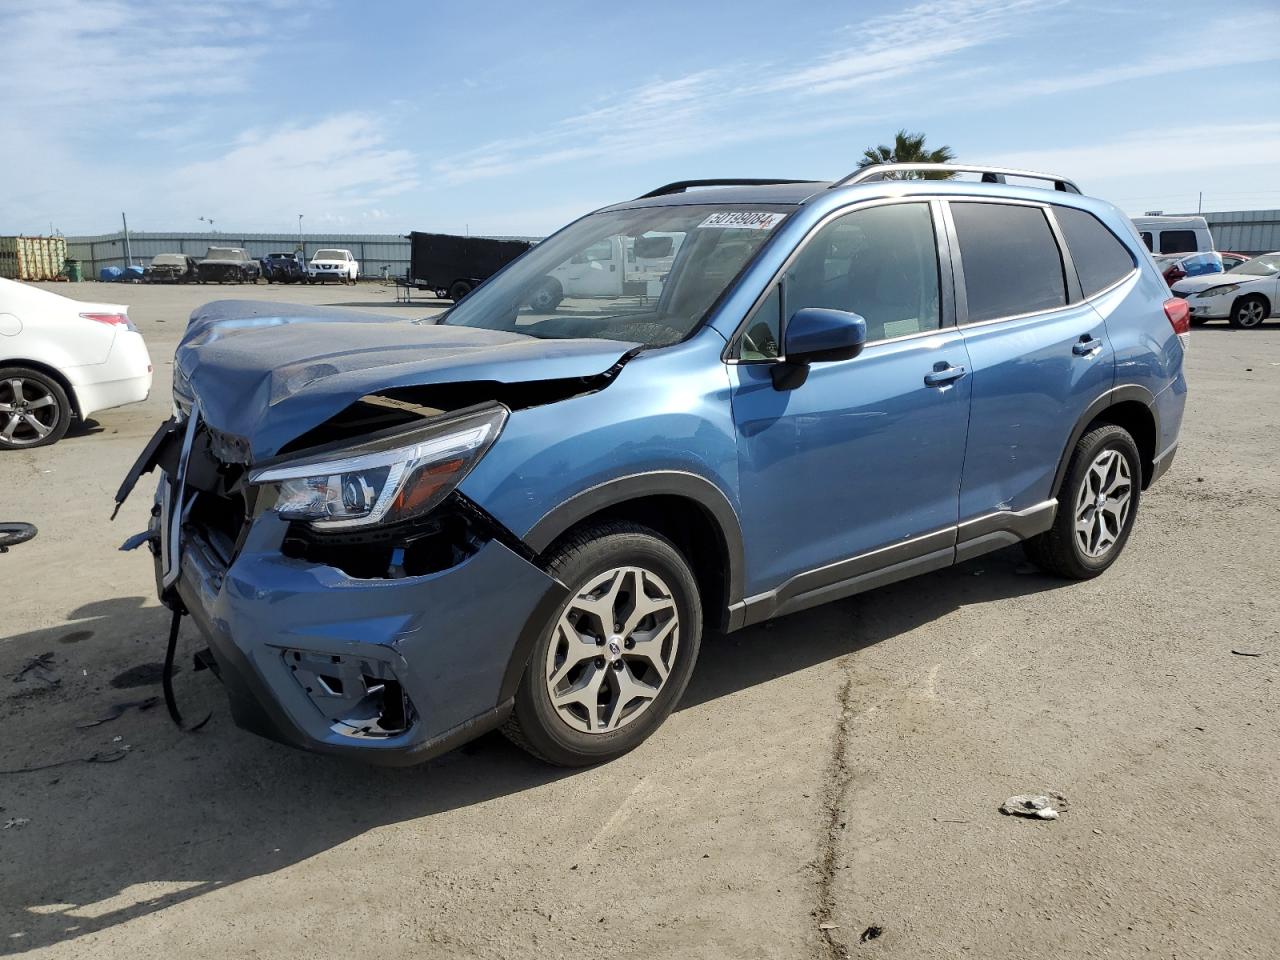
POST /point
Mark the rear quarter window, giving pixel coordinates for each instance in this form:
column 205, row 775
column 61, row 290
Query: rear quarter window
column 1011, row 262
column 1099, row 257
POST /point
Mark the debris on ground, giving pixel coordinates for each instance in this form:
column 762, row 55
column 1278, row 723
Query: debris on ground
column 828, row 926
column 101, row 756
column 1044, row 806
column 871, row 933
column 40, row 668
column 118, row 710
column 1248, row 653
column 16, row 822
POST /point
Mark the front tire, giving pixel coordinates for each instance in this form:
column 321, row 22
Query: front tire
column 1097, row 506
column 34, row 409
column 614, row 659
column 1248, row 312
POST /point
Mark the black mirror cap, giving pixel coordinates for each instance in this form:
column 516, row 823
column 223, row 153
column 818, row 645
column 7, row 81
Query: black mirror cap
column 820, row 335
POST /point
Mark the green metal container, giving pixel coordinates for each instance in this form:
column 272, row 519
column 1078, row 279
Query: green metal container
column 73, row 271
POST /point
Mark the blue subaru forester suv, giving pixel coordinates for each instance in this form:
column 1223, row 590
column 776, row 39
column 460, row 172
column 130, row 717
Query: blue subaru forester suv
column 722, row 402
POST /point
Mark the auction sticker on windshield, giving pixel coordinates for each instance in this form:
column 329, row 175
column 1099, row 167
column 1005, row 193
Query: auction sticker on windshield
column 743, row 220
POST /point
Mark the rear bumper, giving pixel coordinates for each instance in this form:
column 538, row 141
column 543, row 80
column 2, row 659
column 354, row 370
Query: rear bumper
column 456, row 641
column 124, row 377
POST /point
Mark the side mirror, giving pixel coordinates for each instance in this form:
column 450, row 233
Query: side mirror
column 817, row 335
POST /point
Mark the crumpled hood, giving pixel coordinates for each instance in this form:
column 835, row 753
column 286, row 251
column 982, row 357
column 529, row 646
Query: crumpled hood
column 268, row 372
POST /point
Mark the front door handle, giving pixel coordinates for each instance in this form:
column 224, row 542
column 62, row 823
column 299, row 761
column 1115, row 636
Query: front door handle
column 1089, row 346
column 943, row 374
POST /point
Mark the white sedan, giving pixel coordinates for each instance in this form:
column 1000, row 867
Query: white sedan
column 337, row 265
column 63, row 358
column 1245, row 295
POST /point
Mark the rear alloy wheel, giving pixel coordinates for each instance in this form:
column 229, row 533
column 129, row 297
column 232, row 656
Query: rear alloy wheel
column 34, row 410
column 1097, row 505
column 613, row 661
column 1248, row 312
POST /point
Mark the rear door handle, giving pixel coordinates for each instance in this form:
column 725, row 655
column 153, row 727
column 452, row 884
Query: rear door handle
column 1089, row 346
column 943, row 374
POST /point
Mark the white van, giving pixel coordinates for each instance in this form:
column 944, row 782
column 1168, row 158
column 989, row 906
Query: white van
column 1175, row 234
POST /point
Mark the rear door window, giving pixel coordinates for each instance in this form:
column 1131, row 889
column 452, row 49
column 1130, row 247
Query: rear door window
column 1177, row 241
column 1011, row 262
column 1099, row 257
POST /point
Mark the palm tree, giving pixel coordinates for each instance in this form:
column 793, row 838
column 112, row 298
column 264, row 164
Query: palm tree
column 909, row 148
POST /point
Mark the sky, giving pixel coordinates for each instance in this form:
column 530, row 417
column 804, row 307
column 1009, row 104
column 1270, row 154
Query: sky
column 514, row 118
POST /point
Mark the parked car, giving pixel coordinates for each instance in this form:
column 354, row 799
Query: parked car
column 1245, row 295
column 170, row 268
column 283, row 268
column 228, row 265
column 62, row 359
column 1175, row 266
column 1174, row 234
column 337, row 265
column 397, row 535
column 453, row 266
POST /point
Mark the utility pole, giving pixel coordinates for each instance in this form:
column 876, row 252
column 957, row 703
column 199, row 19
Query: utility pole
column 301, row 248
column 128, row 254
column 1200, row 203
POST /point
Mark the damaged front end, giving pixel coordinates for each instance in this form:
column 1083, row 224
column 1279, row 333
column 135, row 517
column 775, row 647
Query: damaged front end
column 353, row 600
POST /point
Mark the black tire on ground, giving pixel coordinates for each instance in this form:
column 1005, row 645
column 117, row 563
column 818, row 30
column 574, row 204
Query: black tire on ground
column 535, row 724
column 547, row 295
column 459, row 290
column 1248, row 312
column 35, row 386
column 1058, row 550
column 12, row 534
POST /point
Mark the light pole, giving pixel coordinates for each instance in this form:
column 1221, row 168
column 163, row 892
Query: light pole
column 301, row 249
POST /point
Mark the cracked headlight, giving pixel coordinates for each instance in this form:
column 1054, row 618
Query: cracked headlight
column 383, row 481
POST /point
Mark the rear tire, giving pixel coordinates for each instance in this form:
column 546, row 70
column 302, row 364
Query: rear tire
column 34, row 409
column 627, row 689
column 459, row 290
column 1248, row 312
column 1097, row 506
column 547, row 295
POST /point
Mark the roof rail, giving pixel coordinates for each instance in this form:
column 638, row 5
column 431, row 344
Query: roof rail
column 680, row 186
column 883, row 171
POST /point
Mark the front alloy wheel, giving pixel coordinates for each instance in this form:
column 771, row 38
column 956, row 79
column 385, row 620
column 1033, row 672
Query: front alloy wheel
column 612, row 662
column 1248, row 312
column 613, row 649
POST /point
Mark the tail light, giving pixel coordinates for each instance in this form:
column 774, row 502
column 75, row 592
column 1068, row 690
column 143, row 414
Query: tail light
column 110, row 319
column 1179, row 314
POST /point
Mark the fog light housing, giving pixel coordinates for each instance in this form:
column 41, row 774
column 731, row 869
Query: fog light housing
column 361, row 697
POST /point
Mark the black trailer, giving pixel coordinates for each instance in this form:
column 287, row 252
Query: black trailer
column 453, row 266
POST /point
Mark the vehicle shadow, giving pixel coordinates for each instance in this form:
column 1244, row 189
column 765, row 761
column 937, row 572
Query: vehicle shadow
column 184, row 814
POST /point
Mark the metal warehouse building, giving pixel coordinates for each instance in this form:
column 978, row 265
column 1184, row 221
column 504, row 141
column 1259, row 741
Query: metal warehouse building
column 1244, row 231
column 375, row 251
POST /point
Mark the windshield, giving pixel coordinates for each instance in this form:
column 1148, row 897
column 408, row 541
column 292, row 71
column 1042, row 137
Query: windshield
column 225, row 253
column 330, row 255
column 1260, row 266
column 169, row 260
column 646, row 275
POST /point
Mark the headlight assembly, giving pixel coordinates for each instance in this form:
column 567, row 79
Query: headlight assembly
column 384, row 481
column 1219, row 291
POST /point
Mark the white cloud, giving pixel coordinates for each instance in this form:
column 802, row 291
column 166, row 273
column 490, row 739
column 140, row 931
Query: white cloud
column 334, row 170
column 744, row 102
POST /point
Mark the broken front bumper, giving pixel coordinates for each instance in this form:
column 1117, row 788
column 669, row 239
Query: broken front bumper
column 390, row 671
